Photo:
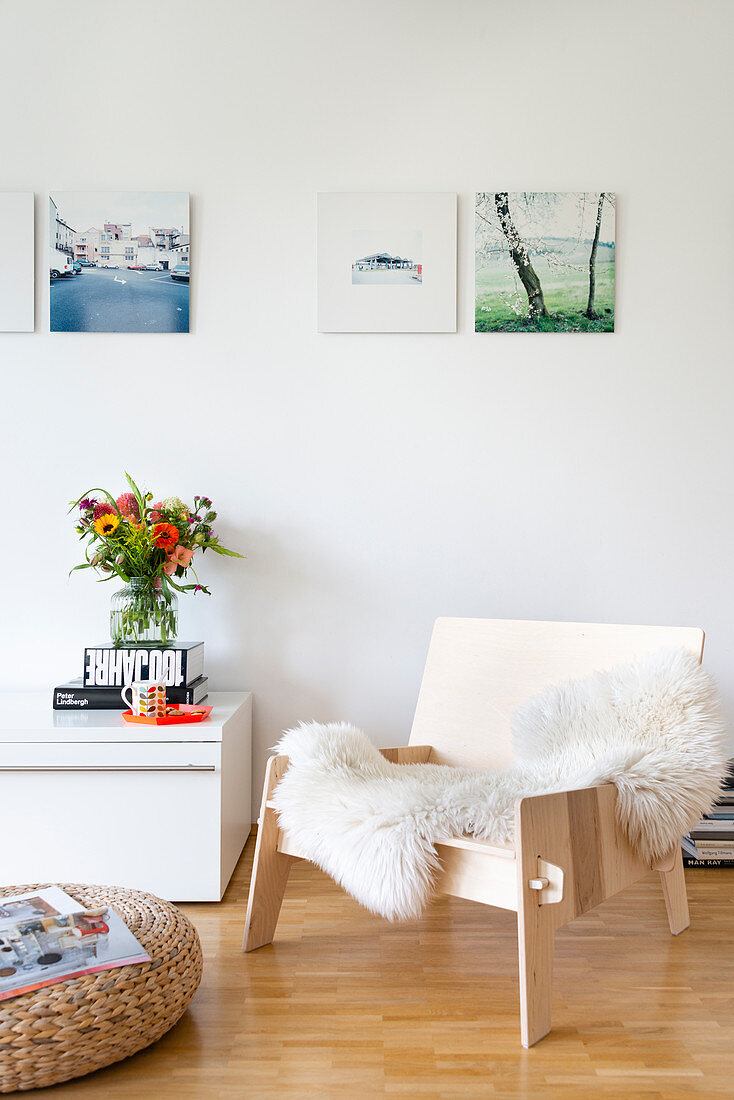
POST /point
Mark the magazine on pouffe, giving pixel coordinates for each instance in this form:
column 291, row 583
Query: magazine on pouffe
column 47, row 937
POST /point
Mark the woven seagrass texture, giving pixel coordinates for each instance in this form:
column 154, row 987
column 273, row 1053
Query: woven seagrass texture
column 79, row 1025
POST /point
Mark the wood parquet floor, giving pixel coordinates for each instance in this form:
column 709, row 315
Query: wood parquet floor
column 346, row 1005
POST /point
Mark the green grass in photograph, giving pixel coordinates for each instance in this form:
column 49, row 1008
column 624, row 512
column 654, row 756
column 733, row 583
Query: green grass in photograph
column 565, row 291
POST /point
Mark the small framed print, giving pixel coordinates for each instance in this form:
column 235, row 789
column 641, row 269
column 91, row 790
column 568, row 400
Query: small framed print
column 386, row 262
column 16, row 262
column 544, row 261
column 119, row 261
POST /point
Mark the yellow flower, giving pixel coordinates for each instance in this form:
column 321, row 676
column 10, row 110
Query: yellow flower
column 107, row 524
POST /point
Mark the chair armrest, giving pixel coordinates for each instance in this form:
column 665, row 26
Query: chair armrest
column 576, row 831
column 277, row 766
column 275, row 769
column 408, row 754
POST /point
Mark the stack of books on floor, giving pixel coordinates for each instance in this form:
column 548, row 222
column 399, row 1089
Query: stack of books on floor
column 108, row 669
column 711, row 842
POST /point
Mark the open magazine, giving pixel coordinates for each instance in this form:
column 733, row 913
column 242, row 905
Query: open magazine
column 47, row 937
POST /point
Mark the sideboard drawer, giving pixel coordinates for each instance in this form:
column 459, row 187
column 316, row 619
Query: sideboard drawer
column 110, row 756
column 137, row 814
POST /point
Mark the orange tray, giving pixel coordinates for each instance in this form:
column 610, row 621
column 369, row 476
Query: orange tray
column 174, row 720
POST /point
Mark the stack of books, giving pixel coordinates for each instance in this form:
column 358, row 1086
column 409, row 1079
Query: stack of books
column 108, row 669
column 711, row 842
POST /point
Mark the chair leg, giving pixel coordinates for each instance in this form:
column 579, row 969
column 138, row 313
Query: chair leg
column 535, row 947
column 676, row 899
column 267, row 886
column 269, row 870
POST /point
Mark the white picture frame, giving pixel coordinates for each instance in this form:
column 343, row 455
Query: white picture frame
column 407, row 279
column 17, row 262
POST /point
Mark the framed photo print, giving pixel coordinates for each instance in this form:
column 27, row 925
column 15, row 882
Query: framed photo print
column 386, row 262
column 16, row 261
column 544, row 261
column 119, row 261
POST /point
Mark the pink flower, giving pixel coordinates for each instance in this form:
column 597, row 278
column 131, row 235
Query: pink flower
column 156, row 516
column 181, row 555
column 103, row 509
column 178, row 556
column 128, row 506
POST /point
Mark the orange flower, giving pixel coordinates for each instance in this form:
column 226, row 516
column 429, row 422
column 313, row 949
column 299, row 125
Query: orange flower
column 178, row 556
column 165, row 536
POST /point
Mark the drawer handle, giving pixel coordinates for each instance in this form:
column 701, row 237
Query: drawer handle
column 107, row 768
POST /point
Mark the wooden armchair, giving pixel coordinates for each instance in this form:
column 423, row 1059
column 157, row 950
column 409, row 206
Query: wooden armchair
column 569, row 854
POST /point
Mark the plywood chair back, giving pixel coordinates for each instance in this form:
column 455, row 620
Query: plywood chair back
column 479, row 670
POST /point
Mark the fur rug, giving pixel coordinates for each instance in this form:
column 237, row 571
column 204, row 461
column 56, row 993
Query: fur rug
column 652, row 728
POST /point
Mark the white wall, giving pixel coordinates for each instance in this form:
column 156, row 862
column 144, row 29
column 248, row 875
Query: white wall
column 375, row 482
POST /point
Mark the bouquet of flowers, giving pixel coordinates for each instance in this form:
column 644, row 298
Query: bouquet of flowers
column 150, row 546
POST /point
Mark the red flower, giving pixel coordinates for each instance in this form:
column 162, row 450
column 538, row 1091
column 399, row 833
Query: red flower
column 165, row 536
column 103, row 509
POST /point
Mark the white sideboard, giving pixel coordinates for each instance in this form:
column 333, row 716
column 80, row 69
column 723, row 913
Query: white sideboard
column 87, row 797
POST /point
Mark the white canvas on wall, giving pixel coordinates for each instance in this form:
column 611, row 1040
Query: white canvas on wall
column 386, row 262
column 16, row 261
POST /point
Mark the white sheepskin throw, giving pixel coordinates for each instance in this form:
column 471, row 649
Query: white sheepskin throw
column 652, row 728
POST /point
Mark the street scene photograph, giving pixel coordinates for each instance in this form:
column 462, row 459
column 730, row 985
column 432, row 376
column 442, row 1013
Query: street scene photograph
column 119, row 261
column 545, row 261
column 373, row 266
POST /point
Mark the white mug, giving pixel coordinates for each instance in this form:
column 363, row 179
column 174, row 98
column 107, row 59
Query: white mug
column 147, row 698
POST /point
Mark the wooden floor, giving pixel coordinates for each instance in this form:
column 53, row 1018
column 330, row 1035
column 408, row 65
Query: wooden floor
column 347, row 1005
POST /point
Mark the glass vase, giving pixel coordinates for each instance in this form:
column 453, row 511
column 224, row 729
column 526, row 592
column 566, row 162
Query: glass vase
column 140, row 613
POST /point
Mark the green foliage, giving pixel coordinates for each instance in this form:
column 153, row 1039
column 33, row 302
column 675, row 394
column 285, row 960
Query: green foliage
column 214, row 545
column 136, row 493
column 556, row 322
column 502, row 306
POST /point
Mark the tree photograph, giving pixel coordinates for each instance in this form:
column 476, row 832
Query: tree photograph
column 544, row 261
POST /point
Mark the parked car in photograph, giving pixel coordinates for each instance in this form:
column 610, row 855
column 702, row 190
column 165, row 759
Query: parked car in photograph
column 88, row 263
column 180, row 273
column 136, row 267
column 112, row 267
column 60, row 264
column 153, row 267
column 77, row 266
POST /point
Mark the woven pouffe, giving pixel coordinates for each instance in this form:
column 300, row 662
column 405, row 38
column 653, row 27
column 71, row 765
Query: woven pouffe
column 81, row 1024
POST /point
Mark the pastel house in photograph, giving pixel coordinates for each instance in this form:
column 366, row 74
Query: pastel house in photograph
column 86, row 245
column 116, row 246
